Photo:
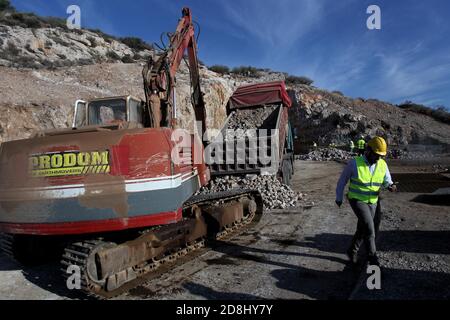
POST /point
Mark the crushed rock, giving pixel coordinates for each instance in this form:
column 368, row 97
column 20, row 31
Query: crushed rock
column 326, row 154
column 275, row 194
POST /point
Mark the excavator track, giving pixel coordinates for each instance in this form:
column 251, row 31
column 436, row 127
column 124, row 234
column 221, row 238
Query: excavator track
column 83, row 253
column 6, row 244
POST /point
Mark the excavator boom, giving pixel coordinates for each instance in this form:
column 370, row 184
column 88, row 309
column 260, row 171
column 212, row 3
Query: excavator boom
column 160, row 81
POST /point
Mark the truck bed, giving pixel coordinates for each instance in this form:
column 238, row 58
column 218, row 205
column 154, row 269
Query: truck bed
column 236, row 149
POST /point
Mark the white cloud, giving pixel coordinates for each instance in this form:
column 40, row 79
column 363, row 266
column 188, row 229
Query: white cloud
column 371, row 70
column 278, row 25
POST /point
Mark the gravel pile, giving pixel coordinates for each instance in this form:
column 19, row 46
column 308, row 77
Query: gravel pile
column 326, row 154
column 409, row 155
column 329, row 154
column 275, row 194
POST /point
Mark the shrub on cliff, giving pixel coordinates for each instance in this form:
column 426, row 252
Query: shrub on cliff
column 6, row 5
column 245, row 71
column 136, row 43
column 298, row 80
column 220, row 69
column 439, row 113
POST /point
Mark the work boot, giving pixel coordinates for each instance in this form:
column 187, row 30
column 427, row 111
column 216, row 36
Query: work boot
column 352, row 256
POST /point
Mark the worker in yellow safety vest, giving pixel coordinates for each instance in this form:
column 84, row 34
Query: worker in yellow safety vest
column 367, row 174
column 361, row 145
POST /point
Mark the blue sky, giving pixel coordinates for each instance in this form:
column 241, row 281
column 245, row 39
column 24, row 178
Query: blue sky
column 328, row 41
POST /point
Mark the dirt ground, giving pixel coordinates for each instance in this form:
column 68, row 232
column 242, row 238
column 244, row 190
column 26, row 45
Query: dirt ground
column 296, row 254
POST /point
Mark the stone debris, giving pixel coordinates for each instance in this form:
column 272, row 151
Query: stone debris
column 250, row 118
column 247, row 119
column 331, row 154
column 275, row 194
column 410, row 155
column 331, row 118
column 326, row 154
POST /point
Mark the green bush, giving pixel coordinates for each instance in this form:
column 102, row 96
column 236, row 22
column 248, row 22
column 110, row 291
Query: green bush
column 30, row 20
column 245, row 71
column 92, row 41
column 25, row 62
column 127, row 59
column 298, row 80
column 54, row 22
column 137, row 57
column 220, row 69
column 107, row 37
column 136, row 43
column 112, row 55
column 11, row 49
column 6, row 5
column 439, row 113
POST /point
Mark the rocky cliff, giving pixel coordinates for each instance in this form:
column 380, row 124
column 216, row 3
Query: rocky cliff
column 57, row 47
column 331, row 118
column 44, row 70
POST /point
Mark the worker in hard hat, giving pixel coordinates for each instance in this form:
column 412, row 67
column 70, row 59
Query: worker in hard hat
column 361, row 145
column 367, row 174
column 352, row 146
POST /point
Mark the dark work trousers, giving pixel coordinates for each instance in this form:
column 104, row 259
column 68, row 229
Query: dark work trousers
column 360, row 152
column 378, row 216
column 365, row 231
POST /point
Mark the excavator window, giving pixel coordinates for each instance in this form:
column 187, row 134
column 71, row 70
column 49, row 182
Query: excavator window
column 107, row 111
column 136, row 110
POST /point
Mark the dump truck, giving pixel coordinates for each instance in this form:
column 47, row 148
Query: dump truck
column 114, row 194
column 256, row 137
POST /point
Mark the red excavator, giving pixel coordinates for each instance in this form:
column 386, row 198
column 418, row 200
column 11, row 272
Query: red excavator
column 116, row 193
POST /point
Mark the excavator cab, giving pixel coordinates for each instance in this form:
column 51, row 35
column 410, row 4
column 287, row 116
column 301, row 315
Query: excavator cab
column 108, row 111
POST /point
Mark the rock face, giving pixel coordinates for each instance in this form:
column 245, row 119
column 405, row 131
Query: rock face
column 56, row 47
column 55, row 67
column 330, row 118
column 216, row 91
column 275, row 194
column 32, row 100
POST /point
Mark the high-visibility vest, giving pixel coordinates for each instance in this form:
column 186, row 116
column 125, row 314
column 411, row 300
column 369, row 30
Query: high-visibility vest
column 366, row 186
column 361, row 144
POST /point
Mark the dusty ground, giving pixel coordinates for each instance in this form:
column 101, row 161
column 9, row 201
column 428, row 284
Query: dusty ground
column 293, row 255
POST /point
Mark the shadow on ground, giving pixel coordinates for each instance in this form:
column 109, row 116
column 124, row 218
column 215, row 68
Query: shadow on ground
column 414, row 241
column 50, row 277
column 212, row 294
column 315, row 284
column 47, row 276
column 408, row 284
column 7, row 264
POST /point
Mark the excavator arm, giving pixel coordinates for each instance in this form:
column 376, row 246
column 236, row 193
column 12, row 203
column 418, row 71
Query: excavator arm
column 159, row 77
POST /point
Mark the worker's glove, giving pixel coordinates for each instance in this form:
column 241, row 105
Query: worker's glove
column 392, row 188
column 339, row 203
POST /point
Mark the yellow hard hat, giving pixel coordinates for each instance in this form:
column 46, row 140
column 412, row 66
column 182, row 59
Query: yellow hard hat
column 378, row 145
